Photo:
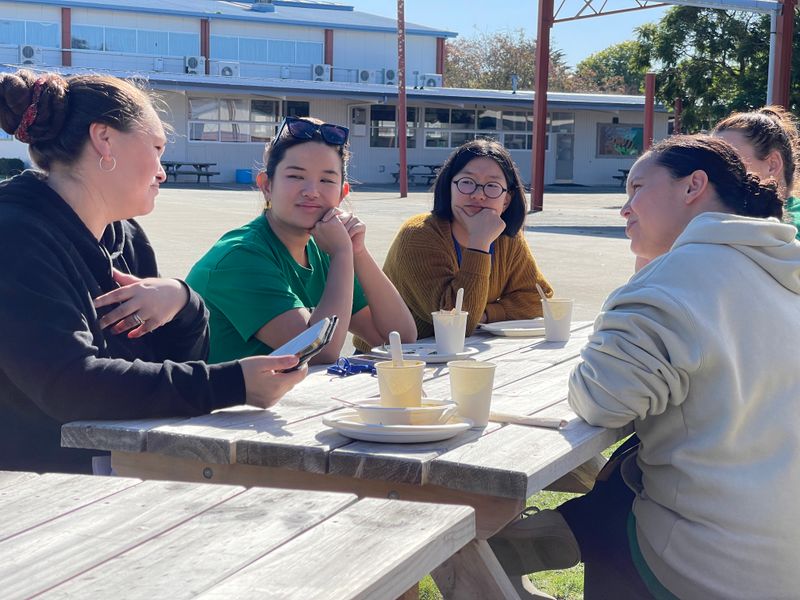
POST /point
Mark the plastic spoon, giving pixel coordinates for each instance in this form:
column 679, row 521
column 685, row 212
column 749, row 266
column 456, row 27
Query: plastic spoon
column 545, row 305
column 459, row 300
column 396, row 349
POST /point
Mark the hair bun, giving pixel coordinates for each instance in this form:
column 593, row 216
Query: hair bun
column 17, row 97
column 762, row 197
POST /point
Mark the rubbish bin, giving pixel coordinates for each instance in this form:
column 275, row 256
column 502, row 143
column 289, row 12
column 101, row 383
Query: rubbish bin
column 244, row 176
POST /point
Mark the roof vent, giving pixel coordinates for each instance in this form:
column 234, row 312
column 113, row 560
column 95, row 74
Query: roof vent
column 263, row 6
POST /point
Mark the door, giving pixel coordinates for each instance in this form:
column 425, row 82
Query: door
column 565, row 153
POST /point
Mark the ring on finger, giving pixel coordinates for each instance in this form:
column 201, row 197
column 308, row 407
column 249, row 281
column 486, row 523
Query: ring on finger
column 137, row 319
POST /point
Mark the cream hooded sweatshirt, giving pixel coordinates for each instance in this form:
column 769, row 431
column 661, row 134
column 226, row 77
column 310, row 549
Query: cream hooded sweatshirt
column 700, row 350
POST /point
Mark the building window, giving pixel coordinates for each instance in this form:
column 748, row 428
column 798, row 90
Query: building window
column 17, row 33
column 134, row 41
column 262, row 50
column 295, row 108
column 615, row 140
column 383, row 126
column 233, row 120
column 450, row 128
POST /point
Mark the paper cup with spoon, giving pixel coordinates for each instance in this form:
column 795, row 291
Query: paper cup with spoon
column 399, row 380
column 450, row 327
column 557, row 317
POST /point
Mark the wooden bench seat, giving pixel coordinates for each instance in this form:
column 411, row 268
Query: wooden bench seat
column 80, row 536
column 198, row 172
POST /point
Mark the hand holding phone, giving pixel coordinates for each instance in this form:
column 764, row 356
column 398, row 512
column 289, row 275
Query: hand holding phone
column 309, row 342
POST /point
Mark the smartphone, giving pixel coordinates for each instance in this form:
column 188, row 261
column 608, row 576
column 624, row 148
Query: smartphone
column 308, row 343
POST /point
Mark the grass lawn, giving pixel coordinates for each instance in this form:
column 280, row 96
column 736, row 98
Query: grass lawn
column 566, row 584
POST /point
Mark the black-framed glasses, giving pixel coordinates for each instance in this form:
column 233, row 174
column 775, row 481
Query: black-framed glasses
column 467, row 185
column 304, row 130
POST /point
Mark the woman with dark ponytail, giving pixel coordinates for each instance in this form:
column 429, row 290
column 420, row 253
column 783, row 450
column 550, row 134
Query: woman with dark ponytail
column 698, row 351
column 768, row 141
column 88, row 330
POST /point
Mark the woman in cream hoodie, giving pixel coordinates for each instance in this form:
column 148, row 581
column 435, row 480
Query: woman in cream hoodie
column 698, row 351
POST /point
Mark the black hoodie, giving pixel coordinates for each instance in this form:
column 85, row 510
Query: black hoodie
column 56, row 364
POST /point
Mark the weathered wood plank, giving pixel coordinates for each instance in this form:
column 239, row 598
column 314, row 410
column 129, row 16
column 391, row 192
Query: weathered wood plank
column 474, row 574
column 9, row 478
column 128, row 436
column 43, row 498
column 374, row 549
column 99, row 531
column 517, row 461
column 205, row 550
column 492, row 513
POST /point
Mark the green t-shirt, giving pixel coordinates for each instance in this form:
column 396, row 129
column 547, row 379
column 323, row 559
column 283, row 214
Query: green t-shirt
column 792, row 208
column 248, row 278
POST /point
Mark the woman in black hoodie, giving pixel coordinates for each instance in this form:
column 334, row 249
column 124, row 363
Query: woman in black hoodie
column 87, row 328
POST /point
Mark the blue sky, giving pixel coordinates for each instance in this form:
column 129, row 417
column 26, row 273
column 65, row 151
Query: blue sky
column 577, row 39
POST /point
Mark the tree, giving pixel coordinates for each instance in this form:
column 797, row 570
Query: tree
column 488, row 60
column 715, row 61
column 619, row 69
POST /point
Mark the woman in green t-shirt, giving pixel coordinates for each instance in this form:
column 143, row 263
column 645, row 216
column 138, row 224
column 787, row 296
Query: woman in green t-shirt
column 769, row 144
column 302, row 259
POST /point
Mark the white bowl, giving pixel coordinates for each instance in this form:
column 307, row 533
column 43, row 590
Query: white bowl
column 431, row 412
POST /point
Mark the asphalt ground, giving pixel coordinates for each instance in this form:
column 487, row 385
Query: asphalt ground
column 578, row 240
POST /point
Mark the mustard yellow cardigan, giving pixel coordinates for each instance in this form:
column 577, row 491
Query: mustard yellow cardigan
column 423, row 266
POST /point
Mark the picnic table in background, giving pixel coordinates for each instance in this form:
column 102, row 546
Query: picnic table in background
column 623, row 179
column 494, row 469
column 425, row 174
column 81, row 536
column 200, row 169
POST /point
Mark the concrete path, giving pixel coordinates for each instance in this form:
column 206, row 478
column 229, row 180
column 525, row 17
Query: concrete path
column 578, row 240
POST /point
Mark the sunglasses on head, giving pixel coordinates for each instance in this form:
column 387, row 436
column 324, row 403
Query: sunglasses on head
column 304, row 130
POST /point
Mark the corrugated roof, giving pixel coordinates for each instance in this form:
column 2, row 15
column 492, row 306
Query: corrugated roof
column 286, row 12
column 373, row 92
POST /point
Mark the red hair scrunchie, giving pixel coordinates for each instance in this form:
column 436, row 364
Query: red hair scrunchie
column 29, row 116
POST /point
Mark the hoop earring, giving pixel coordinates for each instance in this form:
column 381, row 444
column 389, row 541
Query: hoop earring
column 267, row 204
column 113, row 164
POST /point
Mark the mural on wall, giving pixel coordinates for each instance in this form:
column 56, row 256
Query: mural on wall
column 615, row 140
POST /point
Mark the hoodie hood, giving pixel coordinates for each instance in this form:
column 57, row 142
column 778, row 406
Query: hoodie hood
column 767, row 242
column 28, row 194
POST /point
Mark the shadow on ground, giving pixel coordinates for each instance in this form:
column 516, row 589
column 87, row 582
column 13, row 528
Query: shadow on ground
column 603, row 231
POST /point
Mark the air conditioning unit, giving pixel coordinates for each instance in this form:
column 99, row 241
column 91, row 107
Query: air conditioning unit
column 366, row 76
column 226, row 69
column 30, row 55
column 321, row 72
column 429, row 80
column 286, row 73
column 194, row 65
column 390, row 76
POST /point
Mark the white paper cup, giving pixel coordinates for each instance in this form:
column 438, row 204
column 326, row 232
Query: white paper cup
column 557, row 319
column 471, row 383
column 449, row 329
column 400, row 386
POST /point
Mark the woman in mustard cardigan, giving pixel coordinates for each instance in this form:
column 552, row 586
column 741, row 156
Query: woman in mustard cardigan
column 472, row 239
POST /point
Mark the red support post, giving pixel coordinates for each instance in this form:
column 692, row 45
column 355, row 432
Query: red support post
column 401, row 98
column 329, row 49
column 782, row 80
column 66, row 37
column 649, row 106
column 205, row 42
column 540, row 103
column 676, row 128
column 441, row 57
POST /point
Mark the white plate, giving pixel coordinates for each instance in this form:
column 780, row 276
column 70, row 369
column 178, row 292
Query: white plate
column 426, row 352
column 347, row 423
column 521, row 328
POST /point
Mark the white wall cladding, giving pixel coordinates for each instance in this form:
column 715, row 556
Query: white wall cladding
column 266, row 30
column 373, row 50
column 30, row 12
column 133, row 20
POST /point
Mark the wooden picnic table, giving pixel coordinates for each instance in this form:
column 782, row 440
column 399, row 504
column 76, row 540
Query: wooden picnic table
column 493, row 470
column 426, row 175
column 198, row 168
column 79, row 536
column 623, row 179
